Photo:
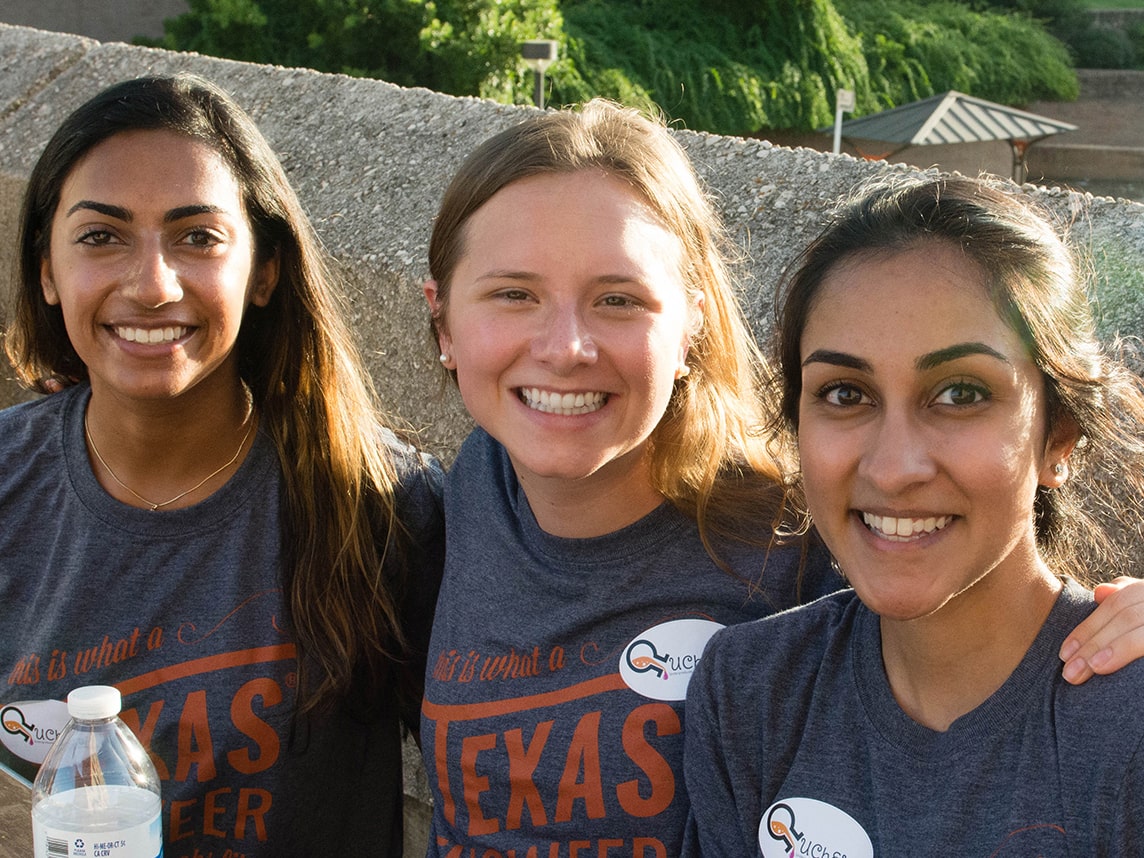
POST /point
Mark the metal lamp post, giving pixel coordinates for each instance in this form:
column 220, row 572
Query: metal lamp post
column 539, row 54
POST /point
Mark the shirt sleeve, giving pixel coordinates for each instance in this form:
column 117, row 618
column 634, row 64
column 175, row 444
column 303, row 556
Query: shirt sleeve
column 1125, row 829
column 421, row 510
column 716, row 823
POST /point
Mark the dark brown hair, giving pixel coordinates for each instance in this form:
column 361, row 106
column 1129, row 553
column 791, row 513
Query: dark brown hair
column 340, row 533
column 1031, row 279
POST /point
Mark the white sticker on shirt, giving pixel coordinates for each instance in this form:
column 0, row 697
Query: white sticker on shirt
column 658, row 664
column 29, row 727
column 806, row 826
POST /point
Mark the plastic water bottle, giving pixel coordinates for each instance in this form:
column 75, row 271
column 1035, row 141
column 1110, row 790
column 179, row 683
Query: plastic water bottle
column 96, row 794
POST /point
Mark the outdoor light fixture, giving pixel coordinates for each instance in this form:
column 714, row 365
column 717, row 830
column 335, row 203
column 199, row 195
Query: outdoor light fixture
column 539, row 54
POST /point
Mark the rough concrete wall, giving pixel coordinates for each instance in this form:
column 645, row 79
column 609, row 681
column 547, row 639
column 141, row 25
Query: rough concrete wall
column 370, row 161
column 106, row 20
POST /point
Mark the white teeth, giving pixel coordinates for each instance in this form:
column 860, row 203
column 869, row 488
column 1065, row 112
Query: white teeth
column 151, row 335
column 904, row 529
column 565, row 404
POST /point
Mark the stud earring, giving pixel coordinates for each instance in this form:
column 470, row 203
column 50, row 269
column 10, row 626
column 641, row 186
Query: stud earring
column 682, row 371
column 444, row 358
column 1059, row 469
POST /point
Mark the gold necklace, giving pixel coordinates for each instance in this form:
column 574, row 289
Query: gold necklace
column 155, row 506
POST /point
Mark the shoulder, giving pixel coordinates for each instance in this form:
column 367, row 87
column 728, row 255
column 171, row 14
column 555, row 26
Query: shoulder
column 479, row 454
column 786, row 642
column 420, row 482
column 1101, row 716
column 35, row 411
column 28, row 427
column 782, row 575
column 411, row 463
column 482, row 472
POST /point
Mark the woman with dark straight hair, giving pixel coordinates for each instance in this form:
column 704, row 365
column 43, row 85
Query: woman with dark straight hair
column 234, row 536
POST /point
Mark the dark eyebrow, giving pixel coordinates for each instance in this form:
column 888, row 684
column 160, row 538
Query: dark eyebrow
column 837, row 359
column 120, row 213
column 960, row 350
column 190, row 211
column 117, row 212
column 926, row 361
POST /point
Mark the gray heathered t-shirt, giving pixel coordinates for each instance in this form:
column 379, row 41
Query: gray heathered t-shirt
column 183, row 611
column 553, row 716
column 796, row 743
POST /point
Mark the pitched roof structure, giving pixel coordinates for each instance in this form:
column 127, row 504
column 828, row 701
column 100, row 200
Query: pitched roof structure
column 955, row 118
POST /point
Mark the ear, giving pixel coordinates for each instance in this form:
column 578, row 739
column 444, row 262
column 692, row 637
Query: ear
column 47, row 285
column 444, row 341
column 1063, row 438
column 694, row 326
column 265, row 280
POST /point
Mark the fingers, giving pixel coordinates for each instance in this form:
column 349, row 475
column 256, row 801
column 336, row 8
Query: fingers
column 1109, row 638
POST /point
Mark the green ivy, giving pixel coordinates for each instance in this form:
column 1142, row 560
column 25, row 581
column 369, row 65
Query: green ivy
column 726, row 66
column 920, row 49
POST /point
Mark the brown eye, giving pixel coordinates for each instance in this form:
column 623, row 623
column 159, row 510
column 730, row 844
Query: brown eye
column 617, row 301
column 96, row 237
column 962, row 394
column 201, row 238
column 843, row 395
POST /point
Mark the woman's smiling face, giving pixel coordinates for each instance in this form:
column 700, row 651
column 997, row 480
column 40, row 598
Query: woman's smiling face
column 152, row 261
column 568, row 323
column 923, row 432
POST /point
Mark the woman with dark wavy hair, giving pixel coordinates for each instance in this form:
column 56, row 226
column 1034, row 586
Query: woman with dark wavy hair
column 953, row 412
column 212, row 515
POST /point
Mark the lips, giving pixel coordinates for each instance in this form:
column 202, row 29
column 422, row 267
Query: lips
column 151, row 336
column 565, row 404
column 896, row 529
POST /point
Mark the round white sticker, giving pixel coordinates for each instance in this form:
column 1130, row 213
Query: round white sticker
column 659, row 663
column 29, row 727
column 806, row 826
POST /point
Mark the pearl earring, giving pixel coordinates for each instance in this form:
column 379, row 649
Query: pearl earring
column 682, row 371
column 444, row 358
column 1059, row 469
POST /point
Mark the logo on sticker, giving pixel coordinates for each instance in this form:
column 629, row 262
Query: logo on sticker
column 29, row 727
column 659, row 663
column 807, row 826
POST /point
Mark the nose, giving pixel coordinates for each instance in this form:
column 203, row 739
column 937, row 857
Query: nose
column 563, row 339
column 154, row 281
column 898, row 455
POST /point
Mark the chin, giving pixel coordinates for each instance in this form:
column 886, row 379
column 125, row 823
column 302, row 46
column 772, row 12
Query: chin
column 895, row 605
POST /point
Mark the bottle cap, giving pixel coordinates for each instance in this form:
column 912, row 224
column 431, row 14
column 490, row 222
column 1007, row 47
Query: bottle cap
column 94, row 701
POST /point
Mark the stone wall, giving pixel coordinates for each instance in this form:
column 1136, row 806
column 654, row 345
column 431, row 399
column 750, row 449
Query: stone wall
column 106, row 20
column 370, row 161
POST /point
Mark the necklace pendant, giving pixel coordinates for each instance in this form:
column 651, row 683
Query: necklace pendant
column 152, row 505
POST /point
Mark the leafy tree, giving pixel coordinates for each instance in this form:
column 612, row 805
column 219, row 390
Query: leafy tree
column 474, row 45
column 919, row 49
column 727, row 66
column 1092, row 45
column 773, row 63
column 463, row 47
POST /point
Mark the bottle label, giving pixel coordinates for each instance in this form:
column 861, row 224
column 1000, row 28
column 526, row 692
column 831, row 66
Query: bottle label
column 98, row 822
column 139, row 841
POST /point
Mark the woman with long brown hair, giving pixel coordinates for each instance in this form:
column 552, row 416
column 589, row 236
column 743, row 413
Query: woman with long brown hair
column 213, row 514
column 614, row 506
